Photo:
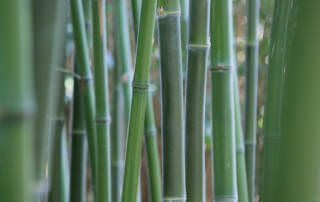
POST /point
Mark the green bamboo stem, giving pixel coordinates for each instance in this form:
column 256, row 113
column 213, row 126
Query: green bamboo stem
column 252, row 55
column 87, row 11
column 86, row 84
column 272, row 120
column 117, row 137
column 139, row 98
column 299, row 149
column 223, row 124
column 150, row 134
column 136, row 9
column 78, row 150
column 240, row 148
column 102, row 109
column 58, row 182
column 195, row 99
column 48, row 40
column 184, row 32
column 122, row 28
column 16, row 101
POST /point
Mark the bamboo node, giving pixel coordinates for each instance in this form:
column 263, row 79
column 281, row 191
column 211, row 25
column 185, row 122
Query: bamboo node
column 141, row 86
column 126, row 77
column 198, row 46
column 41, row 187
column 103, row 120
column 150, row 133
column 78, row 132
column 84, row 79
column 163, row 14
column 219, row 68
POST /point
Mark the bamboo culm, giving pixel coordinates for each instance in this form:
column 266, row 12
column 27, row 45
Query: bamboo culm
column 122, row 28
column 272, row 119
column 300, row 109
column 16, row 101
column 78, row 150
column 252, row 54
column 139, row 98
column 83, row 70
column 150, row 134
column 198, row 48
column 59, row 165
column 223, row 125
column 102, row 118
column 48, row 33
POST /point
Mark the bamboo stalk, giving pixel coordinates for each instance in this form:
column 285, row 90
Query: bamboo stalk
column 79, row 150
column 102, row 109
column 223, row 125
column 86, row 84
column 16, row 101
column 299, row 149
column 272, row 119
column 195, row 99
column 184, row 32
column 136, row 9
column 48, row 40
column 122, row 28
column 252, row 54
column 58, row 183
column 150, row 134
column 138, row 106
column 87, row 11
column 240, row 148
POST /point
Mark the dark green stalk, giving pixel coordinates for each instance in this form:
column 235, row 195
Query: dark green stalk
column 102, row 109
column 150, row 133
column 251, row 93
column 223, row 124
column 136, row 9
column 87, row 10
column 173, row 148
column 139, row 99
column 16, row 101
column 272, row 120
column 58, row 186
column 122, row 28
column 184, row 32
column 240, row 148
column 86, row 84
column 48, row 32
column 299, row 168
column 198, row 48
column 78, row 150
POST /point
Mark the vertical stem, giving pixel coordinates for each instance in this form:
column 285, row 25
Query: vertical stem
column 122, row 28
column 136, row 9
column 86, row 83
column 299, row 169
column 48, row 31
column 117, row 137
column 150, row 134
column 251, row 93
column 16, row 101
column 184, row 32
column 272, row 119
column 139, row 98
column 195, row 99
column 240, row 148
column 78, row 150
column 102, row 103
column 223, row 125
column 58, row 184
column 87, row 11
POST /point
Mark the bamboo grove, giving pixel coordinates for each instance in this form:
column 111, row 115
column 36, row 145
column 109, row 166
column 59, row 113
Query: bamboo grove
column 159, row 100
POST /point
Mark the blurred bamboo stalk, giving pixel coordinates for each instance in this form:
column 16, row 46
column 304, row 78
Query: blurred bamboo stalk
column 223, row 124
column 16, row 102
column 138, row 105
column 198, row 49
column 252, row 60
